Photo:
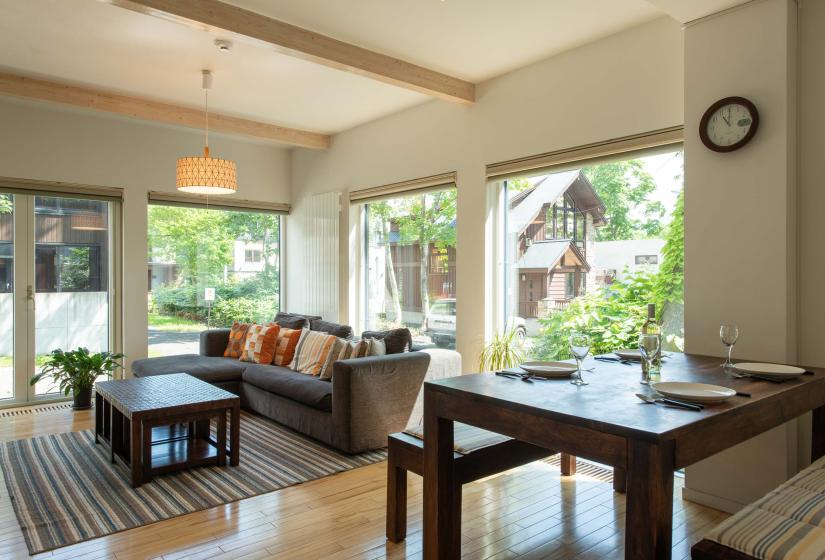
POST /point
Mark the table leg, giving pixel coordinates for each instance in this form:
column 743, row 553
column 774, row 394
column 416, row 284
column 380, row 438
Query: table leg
column 221, row 438
column 98, row 415
column 442, row 503
column 135, row 441
column 146, row 462
column 649, row 517
column 568, row 464
column 396, row 500
column 619, row 480
column 235, row 435
column 817, row 433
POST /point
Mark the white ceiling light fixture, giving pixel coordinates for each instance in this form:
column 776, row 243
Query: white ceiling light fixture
column 206, row 175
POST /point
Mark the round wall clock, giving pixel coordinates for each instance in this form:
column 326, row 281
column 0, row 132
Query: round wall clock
column 729, row 124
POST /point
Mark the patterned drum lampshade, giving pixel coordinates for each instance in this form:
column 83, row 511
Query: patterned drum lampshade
column 206, row 175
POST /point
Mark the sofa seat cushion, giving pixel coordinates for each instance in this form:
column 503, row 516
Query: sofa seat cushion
column 206, row 368
column 299, row 387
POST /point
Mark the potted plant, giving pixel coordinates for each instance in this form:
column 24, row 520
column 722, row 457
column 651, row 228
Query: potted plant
column 504, row 351
column 75, row 371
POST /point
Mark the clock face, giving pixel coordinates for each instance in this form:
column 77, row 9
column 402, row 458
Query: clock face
column 729, row 124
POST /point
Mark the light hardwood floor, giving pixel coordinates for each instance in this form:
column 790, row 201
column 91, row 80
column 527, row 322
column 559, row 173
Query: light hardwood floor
column 529, row 512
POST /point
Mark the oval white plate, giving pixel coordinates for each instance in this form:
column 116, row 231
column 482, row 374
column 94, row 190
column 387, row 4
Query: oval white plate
column 549, row 369
column 779, row 371
column 629, row 354
column 696, row 392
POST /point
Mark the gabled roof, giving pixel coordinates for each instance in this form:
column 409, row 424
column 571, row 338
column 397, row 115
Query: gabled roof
column 545, row 255
column 526, row 205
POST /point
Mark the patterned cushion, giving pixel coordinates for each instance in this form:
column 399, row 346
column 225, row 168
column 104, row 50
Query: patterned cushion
column 346, row 350
column 315, row 352
column 378, row 347
column 788, row 522
column 259, row 347
column 285, row 346
column 237, row 339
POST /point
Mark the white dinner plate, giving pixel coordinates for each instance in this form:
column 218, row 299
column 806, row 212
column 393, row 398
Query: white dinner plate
column 778, row 371
column 629, row 354
column 696, row 392
column 549, row 369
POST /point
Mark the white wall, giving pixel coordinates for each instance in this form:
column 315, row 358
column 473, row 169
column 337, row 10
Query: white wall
column 740, row 226
column 621, row 255
column 628, row 83
column 39, row 141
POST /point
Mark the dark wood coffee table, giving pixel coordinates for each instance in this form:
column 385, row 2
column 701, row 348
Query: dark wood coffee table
column 158, row 424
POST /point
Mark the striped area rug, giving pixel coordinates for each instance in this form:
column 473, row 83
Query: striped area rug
column 65, row 490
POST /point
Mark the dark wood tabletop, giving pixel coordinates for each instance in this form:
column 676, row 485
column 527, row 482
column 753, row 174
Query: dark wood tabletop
column 162, row 393
column 606, row 422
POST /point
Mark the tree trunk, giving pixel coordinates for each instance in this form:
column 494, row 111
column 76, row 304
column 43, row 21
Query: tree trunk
column 423, row 277
column 395, row 299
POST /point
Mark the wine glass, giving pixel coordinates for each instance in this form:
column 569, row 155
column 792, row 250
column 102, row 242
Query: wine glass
column 729, row 335
column 579, row 347
column 648, row 348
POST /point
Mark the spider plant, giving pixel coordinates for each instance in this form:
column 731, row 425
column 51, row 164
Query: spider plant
column 504, row 351
column 75, row 372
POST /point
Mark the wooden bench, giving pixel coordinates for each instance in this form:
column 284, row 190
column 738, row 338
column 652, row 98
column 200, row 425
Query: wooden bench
column 478, row 454
column 788, row 522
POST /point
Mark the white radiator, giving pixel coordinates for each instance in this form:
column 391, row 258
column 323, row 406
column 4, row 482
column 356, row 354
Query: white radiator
column 321, row 256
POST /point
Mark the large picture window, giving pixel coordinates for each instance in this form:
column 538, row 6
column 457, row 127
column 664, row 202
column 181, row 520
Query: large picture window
column 410, row 273
column 208, row 268
column 572, row 242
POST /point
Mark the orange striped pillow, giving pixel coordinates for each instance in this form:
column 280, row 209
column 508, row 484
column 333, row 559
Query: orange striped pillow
column 237, row 339
column 259, row 346
column 285, row 346
column 314, row 353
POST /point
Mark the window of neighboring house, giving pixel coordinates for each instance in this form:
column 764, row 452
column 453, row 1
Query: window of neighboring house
column 605, row 210
column 197, row 279
column 647, row 259
column 253, row 255
column 410, row 265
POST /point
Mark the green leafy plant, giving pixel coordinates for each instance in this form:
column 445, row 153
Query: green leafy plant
column 504, row 351
column 77, row 370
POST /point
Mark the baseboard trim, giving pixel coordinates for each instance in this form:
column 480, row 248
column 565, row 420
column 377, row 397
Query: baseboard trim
column 710, row 500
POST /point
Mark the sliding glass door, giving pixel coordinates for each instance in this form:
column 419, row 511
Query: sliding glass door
column 56, row 269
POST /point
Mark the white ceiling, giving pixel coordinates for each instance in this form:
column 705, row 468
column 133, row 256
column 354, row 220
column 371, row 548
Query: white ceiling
column 685, row 11
column 91, row 43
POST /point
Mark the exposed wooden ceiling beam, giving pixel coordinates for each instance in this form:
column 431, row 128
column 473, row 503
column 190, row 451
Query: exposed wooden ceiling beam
column 305, row 44
column 145, row 109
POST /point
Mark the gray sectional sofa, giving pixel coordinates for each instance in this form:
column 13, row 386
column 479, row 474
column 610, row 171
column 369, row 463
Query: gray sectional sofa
column 366, row 400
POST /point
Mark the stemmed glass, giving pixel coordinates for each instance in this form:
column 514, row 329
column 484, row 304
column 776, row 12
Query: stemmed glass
column 648, row 348
column 579, row 347
column 729, row 335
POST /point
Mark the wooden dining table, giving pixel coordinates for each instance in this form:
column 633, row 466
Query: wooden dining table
column 605, row 422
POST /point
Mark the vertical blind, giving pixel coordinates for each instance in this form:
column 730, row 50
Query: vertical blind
column 321, row 248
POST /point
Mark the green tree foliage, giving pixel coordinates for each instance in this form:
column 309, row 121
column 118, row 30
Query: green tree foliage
column 624, row 187
column 670, row 282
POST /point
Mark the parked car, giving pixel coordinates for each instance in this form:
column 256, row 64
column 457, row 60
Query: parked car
column 439, row 324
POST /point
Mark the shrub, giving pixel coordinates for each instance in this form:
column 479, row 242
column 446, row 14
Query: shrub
column 611, row 316
column 246, row 310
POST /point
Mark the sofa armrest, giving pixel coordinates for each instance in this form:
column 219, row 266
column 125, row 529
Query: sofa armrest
column 213, row 342
column 373, row 397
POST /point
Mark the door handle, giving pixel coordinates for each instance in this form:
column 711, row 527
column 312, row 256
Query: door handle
column 30, row 297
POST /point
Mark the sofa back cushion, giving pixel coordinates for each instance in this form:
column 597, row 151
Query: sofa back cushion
column 237, row 340
column 285, row 346
column 294, row 320
column 397, row 340
column 335, row 329
column 259, row 347
column 315, row 352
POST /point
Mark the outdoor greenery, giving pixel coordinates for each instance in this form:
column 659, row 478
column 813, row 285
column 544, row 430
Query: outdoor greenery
column 201, row 243
column 624, row 187
column 426, row 219
column 613, row 316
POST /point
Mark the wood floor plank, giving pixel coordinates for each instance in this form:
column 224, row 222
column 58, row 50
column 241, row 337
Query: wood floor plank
column 529, row 512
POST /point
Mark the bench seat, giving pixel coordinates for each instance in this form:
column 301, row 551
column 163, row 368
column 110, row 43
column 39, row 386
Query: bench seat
column 787, row 523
